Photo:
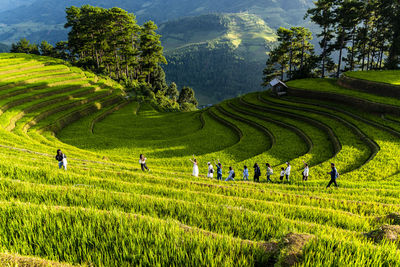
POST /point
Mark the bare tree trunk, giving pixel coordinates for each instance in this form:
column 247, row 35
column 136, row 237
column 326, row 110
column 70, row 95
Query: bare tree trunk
column 372, row 59
column 302, row 54
column 363, row 58
column 97, row 60
column 324, row 54
column 381, row 57
column 340, row 57
column 290, row 60
column 352, row 50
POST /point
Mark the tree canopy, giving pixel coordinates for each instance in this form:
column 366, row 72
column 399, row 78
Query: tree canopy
column 110, row 42
column 364, row 34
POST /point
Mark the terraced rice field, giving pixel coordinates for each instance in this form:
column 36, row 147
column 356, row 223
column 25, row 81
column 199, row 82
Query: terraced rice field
column 105, row 211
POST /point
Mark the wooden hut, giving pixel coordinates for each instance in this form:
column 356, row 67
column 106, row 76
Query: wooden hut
column 278, row 87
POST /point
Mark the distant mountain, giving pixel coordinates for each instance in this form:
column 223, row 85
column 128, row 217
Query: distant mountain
column 4, row 48
column 44, row 19
column 12, row 4
column 220, row 56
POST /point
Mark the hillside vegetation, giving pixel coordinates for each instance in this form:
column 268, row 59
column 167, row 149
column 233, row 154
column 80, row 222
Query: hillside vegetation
column 220, row 56
column 105, row 211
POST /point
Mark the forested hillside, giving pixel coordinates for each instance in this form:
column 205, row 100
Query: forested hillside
column 220, row 56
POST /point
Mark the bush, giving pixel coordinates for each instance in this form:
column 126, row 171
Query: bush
column 188, row 107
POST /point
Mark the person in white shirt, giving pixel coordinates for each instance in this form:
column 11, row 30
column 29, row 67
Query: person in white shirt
column 142, row 162
column 245, row 173
column 306, row 172
column 287, row 171
column 195, row 167
column 231, row 175
column 210, row 173
column 269, row 172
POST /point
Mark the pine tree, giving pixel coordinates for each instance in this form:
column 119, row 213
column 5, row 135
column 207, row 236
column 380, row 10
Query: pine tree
column 46, row 49
column 279, row 59
column 187, row 95
column 24, row 46
column 322, row 15
column 151, row 50
column 172, row 92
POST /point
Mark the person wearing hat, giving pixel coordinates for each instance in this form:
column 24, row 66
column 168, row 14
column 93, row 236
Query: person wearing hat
column 210, row 173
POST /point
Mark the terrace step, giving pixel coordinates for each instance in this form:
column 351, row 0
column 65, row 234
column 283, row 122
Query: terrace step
column 292, row 128
column 376, row 88
column 260, row 127
column 374, row 147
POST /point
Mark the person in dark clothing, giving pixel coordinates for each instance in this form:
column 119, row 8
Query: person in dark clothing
column 62, row 160
column 219, row 170
column 142, row 161
column 257, row 173
column 334, row 175
column 282, row 174
column 231, row 176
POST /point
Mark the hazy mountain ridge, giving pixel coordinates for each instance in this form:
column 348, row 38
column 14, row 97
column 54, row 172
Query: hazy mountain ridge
column 33, row 20
column 12, row 4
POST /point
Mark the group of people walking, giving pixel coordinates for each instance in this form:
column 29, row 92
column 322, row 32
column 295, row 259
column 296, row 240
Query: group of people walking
column 284, row 173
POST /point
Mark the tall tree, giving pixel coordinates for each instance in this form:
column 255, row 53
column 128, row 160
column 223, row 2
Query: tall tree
column 61, row 50
column 172, row 91
column 293, row 57
column 280, row 58
column 187, row 95
column 390, row 10
column 302, row 42
column 322, row 14
column 46, row 49
column 151, row 50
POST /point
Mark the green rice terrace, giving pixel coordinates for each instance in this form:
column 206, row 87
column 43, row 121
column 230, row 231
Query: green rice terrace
column 104, row 211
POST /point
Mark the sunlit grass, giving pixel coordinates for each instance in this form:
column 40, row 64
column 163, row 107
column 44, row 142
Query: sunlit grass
column 105, row 211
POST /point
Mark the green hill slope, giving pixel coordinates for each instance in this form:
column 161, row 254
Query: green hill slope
column 220, row 56
column 104, row 211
